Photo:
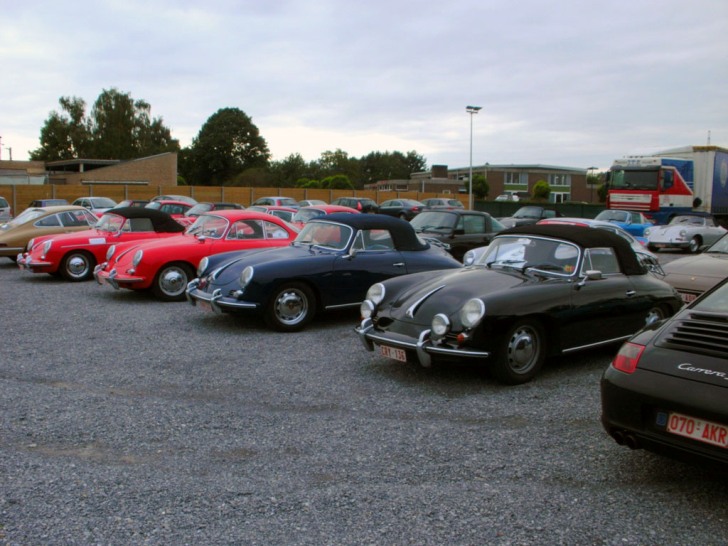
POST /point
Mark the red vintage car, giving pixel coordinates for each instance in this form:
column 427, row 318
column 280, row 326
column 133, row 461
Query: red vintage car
column 167, row 266
column 73, row 256
column 174, row 207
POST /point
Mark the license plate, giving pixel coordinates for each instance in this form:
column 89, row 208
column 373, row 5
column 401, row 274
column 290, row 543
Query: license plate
column 688, row 298
column 698, row 429
column 393, row 353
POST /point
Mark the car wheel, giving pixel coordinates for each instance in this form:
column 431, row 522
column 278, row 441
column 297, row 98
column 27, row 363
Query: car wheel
column 171, row 281
column 291, row 307
column 694, row 246
column 77, row 266
column 655, row 314
column 520, row 354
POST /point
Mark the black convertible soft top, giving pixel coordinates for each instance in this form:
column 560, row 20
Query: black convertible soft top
column 403, row 234
column 161, row 221
column 586, row 237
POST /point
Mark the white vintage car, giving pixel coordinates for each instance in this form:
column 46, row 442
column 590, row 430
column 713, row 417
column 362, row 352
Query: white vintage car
column 687, row 232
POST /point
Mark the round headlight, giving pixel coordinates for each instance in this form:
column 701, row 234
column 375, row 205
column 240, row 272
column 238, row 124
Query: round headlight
column 137, row 258
column 110, row 252
column 469, row 258
column 246, row 276
column 366, row 309
column 646, row 232
column 472, row 312
column 202, row 266
column 376, row 293
column 683, row 233
column 30, row 244
column 440, row 324
column 47, row 246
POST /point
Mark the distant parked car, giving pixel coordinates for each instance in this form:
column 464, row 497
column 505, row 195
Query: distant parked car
column 305, row 214
column 18, row 233
column 184, row 198
column 276, row 201
column 97, row 205
column 686, row 232
column 528, row 215
column 362, row 204
column 284, row 213
column 6, row 213
column 73, row 256
column 47, row 203
column 192, row 213
column 406, row 209
column 441, row 203
column 459, row 229
column 629, row 220
column 693, row 275
column 666, row 390
column 311, row 202
column 175, row 208
column 140, row 203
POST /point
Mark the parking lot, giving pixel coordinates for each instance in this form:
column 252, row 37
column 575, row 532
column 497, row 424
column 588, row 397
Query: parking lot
column 130, row 421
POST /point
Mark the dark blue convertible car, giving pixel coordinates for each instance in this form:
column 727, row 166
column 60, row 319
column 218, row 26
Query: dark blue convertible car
column 330, row 265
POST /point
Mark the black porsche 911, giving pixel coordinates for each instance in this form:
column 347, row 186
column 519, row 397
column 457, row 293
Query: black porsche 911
column 330, row 265
column 667, row 389
column 537, row 291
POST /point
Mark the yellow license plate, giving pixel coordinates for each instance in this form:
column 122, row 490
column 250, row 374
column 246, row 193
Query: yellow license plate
column 698, row 429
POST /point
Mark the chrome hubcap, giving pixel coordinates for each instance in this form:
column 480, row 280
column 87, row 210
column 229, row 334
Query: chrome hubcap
column 291, row 306
column 522, row 349
column 77, row 266
column 173, row 281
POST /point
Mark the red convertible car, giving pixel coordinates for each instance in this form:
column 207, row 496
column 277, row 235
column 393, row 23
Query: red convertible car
column 167, row 266
column 73, row 256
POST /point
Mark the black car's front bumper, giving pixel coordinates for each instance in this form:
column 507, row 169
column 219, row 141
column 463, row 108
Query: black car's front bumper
column 423, row 347
column 215, row 299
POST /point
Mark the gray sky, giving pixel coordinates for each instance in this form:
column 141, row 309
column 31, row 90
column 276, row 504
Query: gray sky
column 572, row 83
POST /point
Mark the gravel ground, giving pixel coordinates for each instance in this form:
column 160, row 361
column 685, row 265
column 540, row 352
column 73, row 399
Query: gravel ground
column 128, row 421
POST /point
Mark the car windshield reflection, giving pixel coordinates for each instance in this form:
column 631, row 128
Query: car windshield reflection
column 531, row 253
column 325, row 234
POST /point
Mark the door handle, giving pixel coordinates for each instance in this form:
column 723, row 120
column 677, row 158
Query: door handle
column 630, row 293
column 399, row 264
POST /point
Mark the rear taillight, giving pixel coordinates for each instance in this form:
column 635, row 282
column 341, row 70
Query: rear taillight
column 628, row 357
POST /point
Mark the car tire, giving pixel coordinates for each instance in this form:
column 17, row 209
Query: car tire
column 694, row 245
column 171, row 280
column 291, row 307
column 520, row 354
column 655, row 314
column 77, row 266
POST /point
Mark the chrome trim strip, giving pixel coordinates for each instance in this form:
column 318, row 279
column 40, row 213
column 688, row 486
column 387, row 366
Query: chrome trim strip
column 597, row 344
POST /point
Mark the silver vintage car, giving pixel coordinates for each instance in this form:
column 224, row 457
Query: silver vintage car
column 686, row 232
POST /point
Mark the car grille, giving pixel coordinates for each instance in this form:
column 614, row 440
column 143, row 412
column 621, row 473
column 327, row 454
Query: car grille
column 704, row 333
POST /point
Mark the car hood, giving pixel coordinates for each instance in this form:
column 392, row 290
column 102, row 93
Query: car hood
column 230, row 269
column 704, row 265
column 446, row 291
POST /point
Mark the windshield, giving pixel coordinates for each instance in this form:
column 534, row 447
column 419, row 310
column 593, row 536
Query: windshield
column 110, row 222
column 434, row 222
column 613, row 215
column 199, row 209
column 531, row 252
column 325, row 234
column 528, row 212
column 306, row 214
column 720, row 246
column 209, row 225
column 687, row 220
column 102, row 202
column 642, row 179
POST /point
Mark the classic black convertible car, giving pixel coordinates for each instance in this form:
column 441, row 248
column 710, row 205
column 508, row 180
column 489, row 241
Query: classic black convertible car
column 667, row 388
column 537, row 291
column 330, row 265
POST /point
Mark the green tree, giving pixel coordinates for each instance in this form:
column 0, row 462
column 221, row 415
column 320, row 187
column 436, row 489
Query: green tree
column 337, row 182
column 286, row 172
column 481, row 189
column 117, row 128
column 390, row 166
column 541, row 190
column 64, row 135
column 227, row 145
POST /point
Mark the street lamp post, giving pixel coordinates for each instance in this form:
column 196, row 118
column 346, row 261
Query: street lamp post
column 471, row 110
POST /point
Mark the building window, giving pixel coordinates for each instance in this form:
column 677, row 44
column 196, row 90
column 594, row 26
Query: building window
column 559, row 197
column 515, row 181
column 563, row 180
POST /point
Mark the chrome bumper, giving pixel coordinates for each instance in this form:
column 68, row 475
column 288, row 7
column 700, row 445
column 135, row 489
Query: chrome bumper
column 214, row 300
column 424, row 348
